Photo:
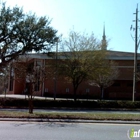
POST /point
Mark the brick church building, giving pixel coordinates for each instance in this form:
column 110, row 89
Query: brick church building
column 122, row 87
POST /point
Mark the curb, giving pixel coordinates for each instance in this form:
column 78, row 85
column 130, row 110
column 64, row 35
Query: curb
column 69, row 121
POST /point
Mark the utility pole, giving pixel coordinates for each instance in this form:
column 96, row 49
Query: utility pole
column 135, row 55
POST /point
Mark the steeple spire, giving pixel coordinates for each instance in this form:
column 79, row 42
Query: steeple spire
column 104, row 43
column 104, row 36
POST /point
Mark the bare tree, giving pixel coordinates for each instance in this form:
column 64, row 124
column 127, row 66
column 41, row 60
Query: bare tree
column 77, row 50
column 103, row 75
column 4, row 77
column 27, row 68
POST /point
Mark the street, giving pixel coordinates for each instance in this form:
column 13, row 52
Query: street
column 64, row 131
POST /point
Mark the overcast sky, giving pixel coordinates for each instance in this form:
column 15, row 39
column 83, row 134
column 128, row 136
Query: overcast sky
column 89, row 16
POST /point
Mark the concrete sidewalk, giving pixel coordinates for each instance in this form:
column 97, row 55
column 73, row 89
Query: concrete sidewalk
column 26, row 97
column 68, row 110
column 19, row 96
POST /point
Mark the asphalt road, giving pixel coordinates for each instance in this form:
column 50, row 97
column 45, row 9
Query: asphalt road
column 64, row 131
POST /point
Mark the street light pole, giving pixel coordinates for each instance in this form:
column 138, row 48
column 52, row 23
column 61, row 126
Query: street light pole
column 55, row 78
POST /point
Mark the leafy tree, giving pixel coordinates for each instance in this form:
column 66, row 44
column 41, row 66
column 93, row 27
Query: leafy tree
column 105, row 72
column 77, row 50
column 20, row 33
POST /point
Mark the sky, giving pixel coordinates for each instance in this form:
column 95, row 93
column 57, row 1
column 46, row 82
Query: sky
column 89, row 16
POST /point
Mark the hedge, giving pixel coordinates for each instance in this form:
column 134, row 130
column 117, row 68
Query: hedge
column 23, row 103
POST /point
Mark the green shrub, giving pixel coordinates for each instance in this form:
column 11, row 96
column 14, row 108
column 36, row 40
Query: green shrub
column 10, row 102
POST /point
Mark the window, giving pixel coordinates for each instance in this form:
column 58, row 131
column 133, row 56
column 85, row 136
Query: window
column 30, row 67
column 87, row 90
column 11, row 84
column 37, row 75
column 38, row 63
column 67, row 90
column 11, row 79
column 37, row 86
column 46, row 90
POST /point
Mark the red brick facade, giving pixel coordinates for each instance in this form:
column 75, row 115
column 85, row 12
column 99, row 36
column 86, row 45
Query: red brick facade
column 121, row 89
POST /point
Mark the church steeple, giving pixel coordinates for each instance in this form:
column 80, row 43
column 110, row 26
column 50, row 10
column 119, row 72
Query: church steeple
column 104, row 43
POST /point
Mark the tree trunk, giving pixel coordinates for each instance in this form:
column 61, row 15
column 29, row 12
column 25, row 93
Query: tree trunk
column 30, row 97
column 102, row 92
column 75, row 90
column 30, row 105
column 5, row 91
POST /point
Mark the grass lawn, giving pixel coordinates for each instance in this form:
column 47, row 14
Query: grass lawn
column 19, row 103
column 88, row 116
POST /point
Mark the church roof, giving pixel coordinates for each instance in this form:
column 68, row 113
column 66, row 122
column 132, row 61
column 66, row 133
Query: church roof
column 112, row 55
column 119, row 55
